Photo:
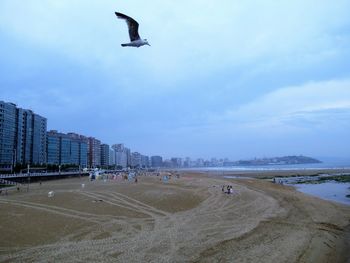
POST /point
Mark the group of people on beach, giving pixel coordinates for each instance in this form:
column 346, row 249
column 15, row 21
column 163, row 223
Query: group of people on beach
column 229, row 189
column 277, row 181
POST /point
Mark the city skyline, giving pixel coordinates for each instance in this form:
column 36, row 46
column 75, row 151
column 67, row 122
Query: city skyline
column 25, row 140
column 116, row 147
column 275, row 83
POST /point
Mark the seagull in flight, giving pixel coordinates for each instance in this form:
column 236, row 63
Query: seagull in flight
column 133, row 26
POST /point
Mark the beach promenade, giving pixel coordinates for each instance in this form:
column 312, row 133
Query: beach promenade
column 186, row 219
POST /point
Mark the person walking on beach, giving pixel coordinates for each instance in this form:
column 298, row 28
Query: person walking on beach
column 231, row 189
column 223, row 188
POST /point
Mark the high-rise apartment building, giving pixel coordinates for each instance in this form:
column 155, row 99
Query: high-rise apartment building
column 128, row 156
column 53, row 147
column 22, row 136
column 39, row 126
column 94, row 152
column 145, row 161
column 30, row 137
column 104, row 155
column 79, row 148
column 111, row 157
column 121, row 155
column 7, row 134
column 68, row 148
column 136, row 160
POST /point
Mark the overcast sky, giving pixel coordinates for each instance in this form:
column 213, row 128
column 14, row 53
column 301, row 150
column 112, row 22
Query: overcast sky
column 228, row 78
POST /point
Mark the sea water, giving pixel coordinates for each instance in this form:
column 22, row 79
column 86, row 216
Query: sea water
column 331, row 190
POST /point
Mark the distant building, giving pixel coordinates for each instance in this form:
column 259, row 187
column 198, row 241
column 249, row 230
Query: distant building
column 187, row 162
column 68, row 148
column 128, row 156
column 94, row 152
column 30, row 137
column 176, row 162
column 22, row 136
column 200, row 162
column 121, row 155
column 214, row 162
column 82, row 141
column 7, row 134
column 53, row 147
column 136, row 160
column 38, row 151
column 167, row 163
column 145, row 161
column 104, row 155
column 207, row 163
column 111, row 157
column 156, row 161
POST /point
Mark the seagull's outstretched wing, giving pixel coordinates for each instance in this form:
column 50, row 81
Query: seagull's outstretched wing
column 132, row 25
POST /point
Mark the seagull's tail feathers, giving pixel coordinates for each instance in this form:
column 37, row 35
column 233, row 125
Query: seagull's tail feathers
column 124, row 45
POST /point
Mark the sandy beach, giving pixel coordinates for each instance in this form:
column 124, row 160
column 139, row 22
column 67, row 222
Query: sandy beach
column 188, row 219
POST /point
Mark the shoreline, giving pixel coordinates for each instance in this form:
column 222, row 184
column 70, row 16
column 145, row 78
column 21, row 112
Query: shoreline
column 286, row 174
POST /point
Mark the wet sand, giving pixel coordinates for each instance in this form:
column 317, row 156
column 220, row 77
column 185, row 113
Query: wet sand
column 185, row 220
